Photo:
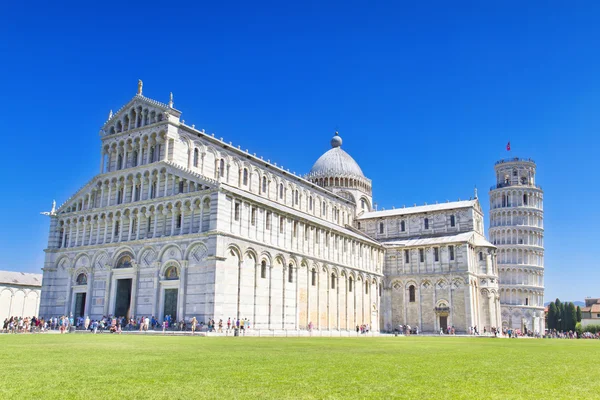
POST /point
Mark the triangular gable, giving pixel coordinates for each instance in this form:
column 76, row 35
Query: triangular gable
column 150, row 111
column 171, row 167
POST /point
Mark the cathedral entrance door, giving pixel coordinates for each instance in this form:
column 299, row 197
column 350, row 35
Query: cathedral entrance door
column 79, row 304
column 123, row 300
column 444, row 323
column 170, row 307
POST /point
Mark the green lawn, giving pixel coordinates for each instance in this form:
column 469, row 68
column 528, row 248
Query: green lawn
column 127, row 366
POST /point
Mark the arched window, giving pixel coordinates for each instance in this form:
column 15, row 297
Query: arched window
column 134, row 158
column 296, row 197
column 181, row 186
column 264, row 184
column 245, row 177
column 524, row 199
column 81, row 279
column 523, row 180
column 119, row 161
column 268, row 221
column 281, row 224
column 481, row 256
column 263, row 269
column 350, row 281
column 358, row 224
column 196, row 156
column 117, row 228
column 380, row 289
column 515, row 173
column 172, row 273
column 526, row 301
column 402, row 226
column 381, row 227
column 310, row 203
column 333, row 278
column 366, row 287
column 411, row 293
column 281, row 190
column 151, row 157
column 452, row 220
column 426, row 223
column 222, row 168
column 124, row 261
column 179, row 221
column 313, row 277
column 290, row 273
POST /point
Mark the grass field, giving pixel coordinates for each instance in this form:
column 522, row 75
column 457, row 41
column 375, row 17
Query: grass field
column 128, row 366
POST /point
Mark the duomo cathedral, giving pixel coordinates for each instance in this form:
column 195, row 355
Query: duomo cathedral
column 181, row 223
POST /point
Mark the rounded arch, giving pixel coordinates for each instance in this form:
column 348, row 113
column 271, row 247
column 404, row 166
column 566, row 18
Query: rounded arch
column 168, row 264
column 81, row 260
column 100, row 259
column 63, row 262
column 121, row 251
column 233, row 250
column 174, row 252
column 196, row 252
column 266, row 256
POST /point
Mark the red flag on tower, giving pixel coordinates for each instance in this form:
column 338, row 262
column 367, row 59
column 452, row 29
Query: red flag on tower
column 508, row 146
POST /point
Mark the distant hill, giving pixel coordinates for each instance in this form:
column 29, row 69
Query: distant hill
column 577, row 303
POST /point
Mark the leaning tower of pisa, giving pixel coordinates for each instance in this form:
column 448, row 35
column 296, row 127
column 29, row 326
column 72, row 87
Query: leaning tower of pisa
column 517, row 229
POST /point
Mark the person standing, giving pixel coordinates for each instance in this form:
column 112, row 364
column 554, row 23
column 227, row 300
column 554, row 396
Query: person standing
column 194, row 323
column 87, row 323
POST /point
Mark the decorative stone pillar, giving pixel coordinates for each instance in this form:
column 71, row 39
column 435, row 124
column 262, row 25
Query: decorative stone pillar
column 89, row 291
column 107, row 287
column 69, row 292
column 134, row 287
column 182, row 287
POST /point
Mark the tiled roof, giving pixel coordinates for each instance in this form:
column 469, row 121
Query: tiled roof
column 470, row 237
column 418, row 209
column 20, row 278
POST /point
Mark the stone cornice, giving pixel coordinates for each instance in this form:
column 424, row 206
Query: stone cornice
column 302, row 256
column 138, row 242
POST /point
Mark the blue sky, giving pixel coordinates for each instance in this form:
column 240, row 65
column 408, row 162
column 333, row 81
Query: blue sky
column 425, row 97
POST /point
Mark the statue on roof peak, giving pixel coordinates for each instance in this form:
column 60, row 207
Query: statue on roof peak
column 140, row 86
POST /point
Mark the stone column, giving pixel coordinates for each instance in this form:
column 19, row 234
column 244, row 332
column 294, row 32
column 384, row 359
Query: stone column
column 156, row 288
column 192, row 209
column 90, row 292
column 137, row 227
column 166, row 155
column 134, row 287
column 69, row 293
column 130, row 227
column 76, row 231
column 182, row 286
column 107, row 288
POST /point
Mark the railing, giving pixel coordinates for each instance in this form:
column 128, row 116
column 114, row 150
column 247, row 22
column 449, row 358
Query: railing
column 514, row 159
column 505, row 184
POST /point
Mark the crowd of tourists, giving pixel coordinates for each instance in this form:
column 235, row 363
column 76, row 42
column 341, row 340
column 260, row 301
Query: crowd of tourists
column 33, row 324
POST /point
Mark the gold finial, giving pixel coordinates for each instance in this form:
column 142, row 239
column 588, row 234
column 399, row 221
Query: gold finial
column 171, row 100
column 140, row 85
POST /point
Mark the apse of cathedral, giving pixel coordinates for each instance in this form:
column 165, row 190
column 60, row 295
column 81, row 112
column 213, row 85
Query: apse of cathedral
column 181, row 223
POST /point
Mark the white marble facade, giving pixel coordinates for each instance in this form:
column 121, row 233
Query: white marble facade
column 182, row 223
column 517, row 229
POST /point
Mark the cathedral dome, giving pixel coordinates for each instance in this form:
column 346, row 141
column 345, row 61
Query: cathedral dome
column 336, row 162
